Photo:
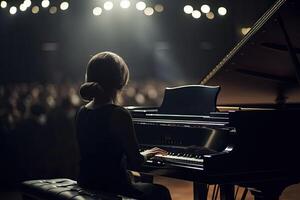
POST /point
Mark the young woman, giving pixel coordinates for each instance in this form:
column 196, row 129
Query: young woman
column 106, row 134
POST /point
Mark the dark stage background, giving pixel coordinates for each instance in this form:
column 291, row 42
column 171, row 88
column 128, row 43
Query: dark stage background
column 169, row 46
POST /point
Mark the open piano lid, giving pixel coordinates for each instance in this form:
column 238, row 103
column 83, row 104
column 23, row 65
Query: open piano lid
column 260, row 69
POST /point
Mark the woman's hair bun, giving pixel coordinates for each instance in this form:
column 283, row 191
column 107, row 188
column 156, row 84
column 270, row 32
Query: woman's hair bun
column 90, row 90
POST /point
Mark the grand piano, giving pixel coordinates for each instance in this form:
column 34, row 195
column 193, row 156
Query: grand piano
column 240, row 125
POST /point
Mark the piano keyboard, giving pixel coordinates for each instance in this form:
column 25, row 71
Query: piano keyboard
column 188, row 156
column 185, row 160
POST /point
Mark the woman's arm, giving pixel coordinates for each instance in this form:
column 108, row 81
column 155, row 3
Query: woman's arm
column 122, row 127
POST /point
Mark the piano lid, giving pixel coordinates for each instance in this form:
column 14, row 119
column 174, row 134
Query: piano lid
column 260, row 69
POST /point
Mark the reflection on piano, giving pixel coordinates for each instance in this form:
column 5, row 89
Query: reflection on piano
column 251, row 138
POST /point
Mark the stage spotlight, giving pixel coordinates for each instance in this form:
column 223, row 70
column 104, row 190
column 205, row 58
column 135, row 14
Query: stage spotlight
column 210, row 15
column 222, row 11
column 3, row 4
column 149, row 11
column 140, row 5
column 196, row 14
column 188, row 9
column 205, row 8
column 45, row 3
column 64, row 5
column 35, row 9
column 108, row 5
column 97, row 11
column 23, row 7
column 53, row 10
column 13, row 10
column 159, row 8
column 125, row 4
column 27, row 3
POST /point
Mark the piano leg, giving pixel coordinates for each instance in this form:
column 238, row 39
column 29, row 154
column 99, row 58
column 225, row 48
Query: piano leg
column 227, row 192
column 200, row 191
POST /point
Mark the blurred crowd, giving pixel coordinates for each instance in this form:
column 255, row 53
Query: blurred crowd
column 37, row 137
column 23, row 101
column 20, row 102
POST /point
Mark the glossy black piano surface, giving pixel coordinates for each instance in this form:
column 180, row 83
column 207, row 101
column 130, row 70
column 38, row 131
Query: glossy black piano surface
column 254, row 142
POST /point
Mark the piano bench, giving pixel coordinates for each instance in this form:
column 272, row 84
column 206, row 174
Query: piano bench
column 62, row 189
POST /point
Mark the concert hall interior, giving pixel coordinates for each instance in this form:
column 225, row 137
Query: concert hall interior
column 215, row 85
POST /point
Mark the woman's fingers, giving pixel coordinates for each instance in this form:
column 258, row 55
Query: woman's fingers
column 156, row 150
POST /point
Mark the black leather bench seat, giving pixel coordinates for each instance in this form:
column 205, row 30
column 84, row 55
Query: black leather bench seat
column 62, row 189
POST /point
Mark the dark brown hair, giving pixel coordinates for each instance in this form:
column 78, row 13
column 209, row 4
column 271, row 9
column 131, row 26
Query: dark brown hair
column 106, row 74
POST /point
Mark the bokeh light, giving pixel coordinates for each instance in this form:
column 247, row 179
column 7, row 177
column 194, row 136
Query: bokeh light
column 188, row 9
column 125, row 4
column 3, row 4
column 210, row 15
column 53, row 10
column 196, row 14
column 13, row 10
column 205, row 8
column 45, row 3
column 64, row 5
column 140, row 5
column 159, row 8
column 222, row 11
column 27, row 3
column 108, row 5
column 97, row 11
column 149, row 11
column 23, row 7
column 140, row 98
column 245, row 30
column 35, row 9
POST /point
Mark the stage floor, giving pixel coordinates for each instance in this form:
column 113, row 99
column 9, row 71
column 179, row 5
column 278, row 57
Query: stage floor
column 180, row 190
column 183, row 190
